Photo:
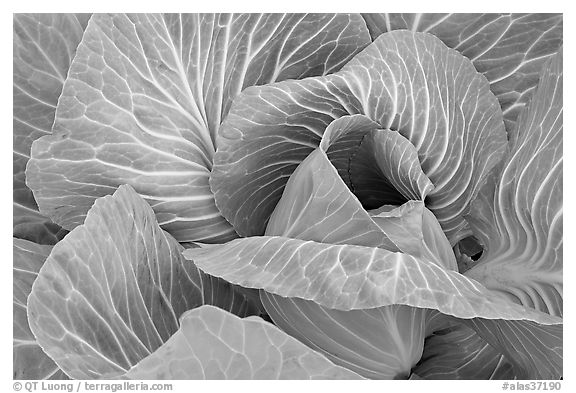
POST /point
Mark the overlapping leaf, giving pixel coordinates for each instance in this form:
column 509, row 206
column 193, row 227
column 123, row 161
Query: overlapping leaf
column 112, row 291
column 519, row 215
column 342, row 139
column 43, row 48
column 326, row 266
column 145, row 97
column 379, row 166
column 379, row 343
column 406, row 82
column 214, row 344
column 360, row 181
column 508, row 49
column 353, row 277
column 415, row 230
column 387, row 155
column 460, row 353
column 317, row 205
column 347, row 277
column 30, row 362
column 534, row 351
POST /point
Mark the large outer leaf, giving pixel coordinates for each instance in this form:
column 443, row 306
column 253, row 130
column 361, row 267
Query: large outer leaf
column 43, row 48
column 30, row 362
column 508, row 49
column 112, row 291
column 348, row 277
column 409, row 82
column 145, row 98
column 519, row 215
column 214, row 344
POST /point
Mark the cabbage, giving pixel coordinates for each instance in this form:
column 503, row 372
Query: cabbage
column 288, row 196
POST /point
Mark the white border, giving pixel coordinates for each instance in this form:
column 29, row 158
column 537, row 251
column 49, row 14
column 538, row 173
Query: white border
column 291, row 6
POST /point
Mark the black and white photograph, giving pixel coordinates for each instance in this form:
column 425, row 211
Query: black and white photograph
column 287, row 196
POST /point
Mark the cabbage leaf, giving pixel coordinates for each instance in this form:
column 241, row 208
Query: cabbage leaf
column 112, row 290
column 214, row 344
column 518, row 216
column 29, row 361
column 144, row 99
column 288, row 196
column 508, row 49
column 43, row 48
column 406, row 82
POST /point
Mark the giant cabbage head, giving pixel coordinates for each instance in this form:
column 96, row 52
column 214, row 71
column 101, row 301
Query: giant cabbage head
column 267, row 196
